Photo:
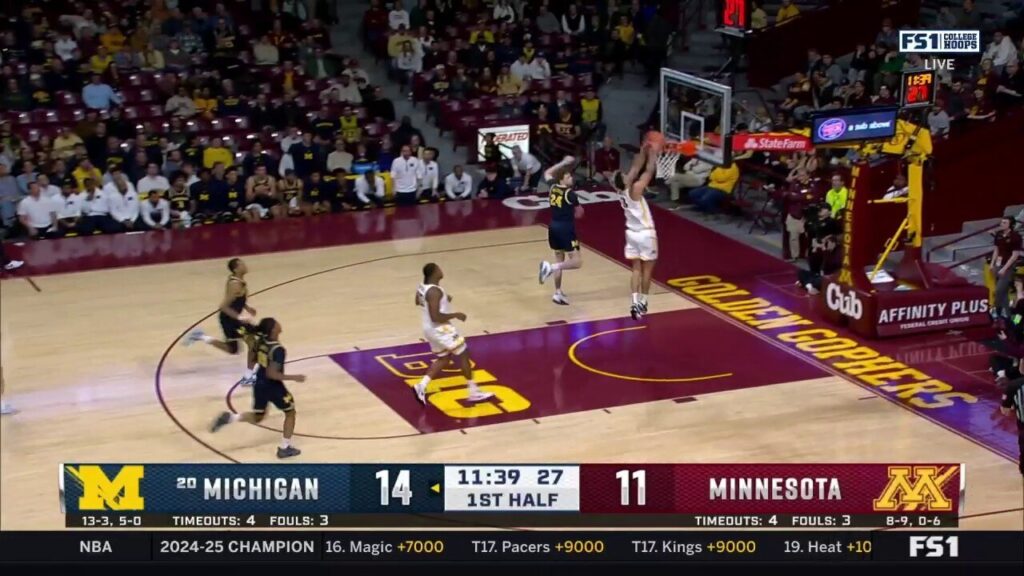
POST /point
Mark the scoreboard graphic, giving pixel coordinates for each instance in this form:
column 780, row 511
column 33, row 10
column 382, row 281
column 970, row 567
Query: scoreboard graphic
column 508, row 495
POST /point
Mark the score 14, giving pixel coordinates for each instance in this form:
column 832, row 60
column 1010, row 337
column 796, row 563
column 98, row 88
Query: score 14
column 400, row 490
column 639, row 479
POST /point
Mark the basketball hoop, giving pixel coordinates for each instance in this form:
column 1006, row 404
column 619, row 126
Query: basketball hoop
column 669, row 157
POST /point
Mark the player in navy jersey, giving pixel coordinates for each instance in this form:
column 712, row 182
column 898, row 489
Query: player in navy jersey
column 236, row 301
column 269, row 387
column 565, row 208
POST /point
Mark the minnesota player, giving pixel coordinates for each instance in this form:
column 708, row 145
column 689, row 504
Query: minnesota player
column 236, row 296
column 269, row 387
column 565, row 208
column 641, row 238
column 444, row 339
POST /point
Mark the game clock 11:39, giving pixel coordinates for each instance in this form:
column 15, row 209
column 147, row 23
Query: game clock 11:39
column 918, row 89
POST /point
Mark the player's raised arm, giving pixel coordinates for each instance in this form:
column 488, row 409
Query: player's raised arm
column 639, row 159
column 650, row 169
column 549, row 174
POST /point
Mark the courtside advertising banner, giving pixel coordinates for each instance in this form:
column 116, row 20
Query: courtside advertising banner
column 506, row 137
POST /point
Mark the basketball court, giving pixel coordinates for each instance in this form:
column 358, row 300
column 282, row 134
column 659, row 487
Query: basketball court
column 724, row 369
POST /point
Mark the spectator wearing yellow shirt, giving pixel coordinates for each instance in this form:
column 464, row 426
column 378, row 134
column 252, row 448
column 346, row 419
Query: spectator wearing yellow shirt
column 627, row 34
column 787, row 12
column 507, row 84
column 592, row 114
column 216, row 152
column 206, row 105
column 397, row 40
column 758, row 16
column 113, row 40
column 721, row 181
column 100, row 62
column 65, row 142
column 288, row 76
column 836, row 195
column 84, row 170
column 485, row 33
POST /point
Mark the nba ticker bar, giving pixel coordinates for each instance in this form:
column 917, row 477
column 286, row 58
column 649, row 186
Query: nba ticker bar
column 831, row 547
column 782, row 496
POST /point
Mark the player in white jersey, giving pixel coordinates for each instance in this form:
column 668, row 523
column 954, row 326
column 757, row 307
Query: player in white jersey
column 445, row 341
column 641, row 237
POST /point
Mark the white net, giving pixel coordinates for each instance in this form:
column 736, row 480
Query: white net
column 667, row 163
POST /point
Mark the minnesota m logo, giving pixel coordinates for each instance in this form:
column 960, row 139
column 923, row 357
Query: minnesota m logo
column 917, row 487
column 99, row 492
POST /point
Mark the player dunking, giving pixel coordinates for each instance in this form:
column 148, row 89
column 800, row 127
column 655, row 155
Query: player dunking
column 565, row 208
column 444, row 339
column 269, row 387
column 236, row 296
column 641, row 238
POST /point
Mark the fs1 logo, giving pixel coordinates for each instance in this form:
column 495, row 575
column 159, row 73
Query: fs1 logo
column 100, row 492
column 914, row 488
column 940, row 41
column 846, row 303
column 935, row 546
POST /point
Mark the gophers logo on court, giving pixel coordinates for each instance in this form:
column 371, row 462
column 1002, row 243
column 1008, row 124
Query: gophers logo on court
column 103, row 487
column 917, row 489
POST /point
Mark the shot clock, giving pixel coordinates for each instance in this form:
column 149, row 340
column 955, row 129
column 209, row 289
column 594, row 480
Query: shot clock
column 918, row 89
column 734, row 17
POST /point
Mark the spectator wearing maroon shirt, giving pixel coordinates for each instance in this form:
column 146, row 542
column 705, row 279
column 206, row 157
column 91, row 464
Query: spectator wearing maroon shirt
column 1004, row 261
column 606, row 160
column 795, row 200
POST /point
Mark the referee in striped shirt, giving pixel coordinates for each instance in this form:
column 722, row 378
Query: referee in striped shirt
column 1013, row 401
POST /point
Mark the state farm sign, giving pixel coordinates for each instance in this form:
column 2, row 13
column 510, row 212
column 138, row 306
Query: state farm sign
column 771, row 142
column 506, row 137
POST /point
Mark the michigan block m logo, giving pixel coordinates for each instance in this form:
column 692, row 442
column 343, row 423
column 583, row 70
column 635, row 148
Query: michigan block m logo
column 99, row 492
column 913, row 488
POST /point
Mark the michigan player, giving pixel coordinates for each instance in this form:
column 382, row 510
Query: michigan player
column 262, row 197
column 269, row 387
column 236, row 296
column 565, row 208
column 290, row 192
column 180, row 199
column 444, row 339
column 641, row 238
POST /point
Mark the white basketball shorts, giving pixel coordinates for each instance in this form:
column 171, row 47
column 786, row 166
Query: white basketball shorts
column 641, row 245
column 445, row 340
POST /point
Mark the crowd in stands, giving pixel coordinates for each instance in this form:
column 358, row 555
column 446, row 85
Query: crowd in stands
column 978, row 91
column 477, row 63
column 807, row 190
column 153, row 114
column 174, row 113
